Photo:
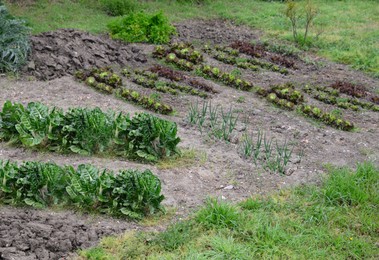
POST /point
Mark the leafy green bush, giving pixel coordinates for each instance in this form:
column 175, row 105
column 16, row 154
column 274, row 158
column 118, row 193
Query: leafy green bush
column 87, row 131
column 119, row 7
column 128, row 193
column 142, row 27
column 14, row 42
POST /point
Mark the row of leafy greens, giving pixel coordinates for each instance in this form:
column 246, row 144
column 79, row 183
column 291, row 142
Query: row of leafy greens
column 14, row 41
column 129, row 193
column 88, row 131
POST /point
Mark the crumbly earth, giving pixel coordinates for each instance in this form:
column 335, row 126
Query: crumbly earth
column 65, row 51
column 216, row 168
column 27, row 234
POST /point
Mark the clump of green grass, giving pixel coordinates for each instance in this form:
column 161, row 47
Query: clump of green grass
column 119, row 7
column 346, row 189
column 335, row 220
column 218, row 215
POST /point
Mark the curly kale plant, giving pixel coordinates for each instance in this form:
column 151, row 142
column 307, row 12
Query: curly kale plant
column 14, row 42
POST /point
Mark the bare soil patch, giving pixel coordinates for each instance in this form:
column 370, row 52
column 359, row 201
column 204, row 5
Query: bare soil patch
column 217, row 168
column 32, row 234
column 65, row 51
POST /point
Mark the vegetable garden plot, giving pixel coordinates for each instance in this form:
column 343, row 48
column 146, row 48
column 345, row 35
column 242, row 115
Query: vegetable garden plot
column 220, row 123
column 216, row 159
column 105, row 80
column 357, row 91
column 227, row 78
column 333, row 97
column 286, row 96
column 148, row 79
column 129, row 193
column 178, row 76
column 259, row 51
column 185, row 57
column 232, row 56
column 88, row 131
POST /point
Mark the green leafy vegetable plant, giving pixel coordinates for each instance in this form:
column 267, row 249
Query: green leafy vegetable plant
column 103, row 75
column 14, row 42
column 105, row 80
column 129, row 193
column 232, row 56
column 88, row 131
column 182, row 50
column 150, row 80
column 145, row 101
column 180, row 63
column 142, row 27
column 327, row 118
column 331, row 96
column 227, row 78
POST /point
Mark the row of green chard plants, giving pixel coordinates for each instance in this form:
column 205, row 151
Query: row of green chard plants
column 105, row 80
column 232, row 56
column 185, row 57
column 88, row 131
column 127, row 193
column 286, row 96
column 150, row 79
column 221, row 124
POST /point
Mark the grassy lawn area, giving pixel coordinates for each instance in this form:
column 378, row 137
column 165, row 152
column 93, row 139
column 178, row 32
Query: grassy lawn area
column 348, row 30
column 337, row 220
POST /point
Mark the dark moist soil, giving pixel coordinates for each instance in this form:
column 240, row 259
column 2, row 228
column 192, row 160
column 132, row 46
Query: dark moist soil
column 217, row 169
column 27, row 234
column 65, row 51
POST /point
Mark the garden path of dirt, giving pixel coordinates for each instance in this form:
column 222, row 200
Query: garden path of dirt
column 217, row 170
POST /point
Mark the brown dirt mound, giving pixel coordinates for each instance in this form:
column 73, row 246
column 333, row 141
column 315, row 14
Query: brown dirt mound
column 215, row 31
column 62, row 52
column 31, row 234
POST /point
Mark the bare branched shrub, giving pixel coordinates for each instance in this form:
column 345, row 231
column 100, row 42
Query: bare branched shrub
column 301, row 15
